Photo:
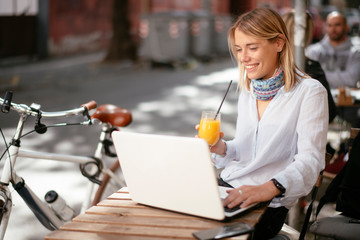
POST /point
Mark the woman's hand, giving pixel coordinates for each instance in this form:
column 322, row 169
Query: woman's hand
column 246, row 195
column 219, row 147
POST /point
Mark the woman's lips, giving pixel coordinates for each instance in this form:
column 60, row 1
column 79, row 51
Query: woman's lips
column 250, row 67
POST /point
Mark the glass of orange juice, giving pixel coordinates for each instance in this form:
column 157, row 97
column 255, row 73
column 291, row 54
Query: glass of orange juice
column 209, row 128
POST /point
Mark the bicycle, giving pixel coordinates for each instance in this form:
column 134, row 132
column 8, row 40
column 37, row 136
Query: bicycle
column 54, row 212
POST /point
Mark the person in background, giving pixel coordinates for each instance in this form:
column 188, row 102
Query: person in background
column 313, row 68
column 279, row 145
column 339, row 58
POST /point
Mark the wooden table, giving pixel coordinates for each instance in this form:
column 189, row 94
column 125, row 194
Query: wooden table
column 118, row 217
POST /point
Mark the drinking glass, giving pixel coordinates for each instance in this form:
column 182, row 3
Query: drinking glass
column 209, row 128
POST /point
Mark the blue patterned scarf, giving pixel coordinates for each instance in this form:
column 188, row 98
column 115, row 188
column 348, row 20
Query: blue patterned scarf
column 267, row 89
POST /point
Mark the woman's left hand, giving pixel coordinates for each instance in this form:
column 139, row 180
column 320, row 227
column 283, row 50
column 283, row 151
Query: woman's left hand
column 246, row 194
column 218, row 147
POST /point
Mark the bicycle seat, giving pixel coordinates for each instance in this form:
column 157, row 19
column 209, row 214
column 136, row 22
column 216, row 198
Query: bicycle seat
column 114, row 115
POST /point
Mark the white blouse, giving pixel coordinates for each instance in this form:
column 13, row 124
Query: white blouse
column 287, row 144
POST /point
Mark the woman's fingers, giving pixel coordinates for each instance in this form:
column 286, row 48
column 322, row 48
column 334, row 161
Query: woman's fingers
column 234, row 198
column 221, row 135
column 243, row 196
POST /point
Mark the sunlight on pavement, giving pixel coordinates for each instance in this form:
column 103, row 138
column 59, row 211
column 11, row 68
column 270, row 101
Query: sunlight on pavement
column 219, row 77
column 183, row 105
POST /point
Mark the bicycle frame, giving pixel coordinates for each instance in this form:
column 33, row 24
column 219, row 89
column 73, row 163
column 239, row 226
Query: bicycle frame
column 41, row 210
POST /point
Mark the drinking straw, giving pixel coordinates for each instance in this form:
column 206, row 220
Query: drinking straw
column 223, row 100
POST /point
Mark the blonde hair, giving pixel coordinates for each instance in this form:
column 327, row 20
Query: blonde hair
column 289, row 20
column 265, row 24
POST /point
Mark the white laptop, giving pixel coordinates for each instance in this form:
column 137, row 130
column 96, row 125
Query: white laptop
column 173, row 173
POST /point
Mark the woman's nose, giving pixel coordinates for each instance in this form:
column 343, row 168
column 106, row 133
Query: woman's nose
column 244, row 57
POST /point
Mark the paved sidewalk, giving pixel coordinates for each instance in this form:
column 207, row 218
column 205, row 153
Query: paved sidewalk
column 9, row 73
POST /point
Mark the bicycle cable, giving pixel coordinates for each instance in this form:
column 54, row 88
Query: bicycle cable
column 6, row 145
column 51, row 126
column 24, row 135
column 6, row 150
column 97, row 163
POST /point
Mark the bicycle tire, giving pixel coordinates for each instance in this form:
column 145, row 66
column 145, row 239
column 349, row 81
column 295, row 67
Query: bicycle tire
column 99, row 195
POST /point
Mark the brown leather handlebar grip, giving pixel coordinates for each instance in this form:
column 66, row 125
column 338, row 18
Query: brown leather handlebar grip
column 90, row 105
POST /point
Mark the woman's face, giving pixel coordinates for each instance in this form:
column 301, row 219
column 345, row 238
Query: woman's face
column 259, row 57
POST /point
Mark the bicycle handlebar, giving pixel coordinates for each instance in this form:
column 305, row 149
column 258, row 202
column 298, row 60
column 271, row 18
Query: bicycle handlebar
column 24, row 109
column 75, row 111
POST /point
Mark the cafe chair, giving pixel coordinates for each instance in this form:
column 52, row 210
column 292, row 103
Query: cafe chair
column 338, row 226
column 289, row 233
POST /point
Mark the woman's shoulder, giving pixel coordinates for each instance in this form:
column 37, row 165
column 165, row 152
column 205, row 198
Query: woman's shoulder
column 309, row 84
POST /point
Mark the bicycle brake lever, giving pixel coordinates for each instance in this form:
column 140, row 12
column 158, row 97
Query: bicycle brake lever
column 39, row 127
column 88, row 117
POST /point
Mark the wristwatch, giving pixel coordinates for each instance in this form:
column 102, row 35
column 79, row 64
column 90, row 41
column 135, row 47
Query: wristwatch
column 279, row 186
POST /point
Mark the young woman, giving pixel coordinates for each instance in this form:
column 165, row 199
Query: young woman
column 281, row 133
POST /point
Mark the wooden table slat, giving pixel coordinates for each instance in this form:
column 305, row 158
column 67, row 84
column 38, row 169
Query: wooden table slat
column 108, row 232
column 125, row 211
column 120, row 203
column 76, row 235
column 120, row 195
column 250, row 217
column 130, row 230
column 147, row 221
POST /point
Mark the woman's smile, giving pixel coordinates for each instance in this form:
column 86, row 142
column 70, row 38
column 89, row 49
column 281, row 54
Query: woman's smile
column 251, row 67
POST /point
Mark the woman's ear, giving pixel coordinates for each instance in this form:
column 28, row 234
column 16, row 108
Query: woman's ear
column 280, row 42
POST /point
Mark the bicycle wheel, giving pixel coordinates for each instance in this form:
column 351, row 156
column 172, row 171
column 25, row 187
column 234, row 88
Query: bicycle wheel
column 108, row 185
